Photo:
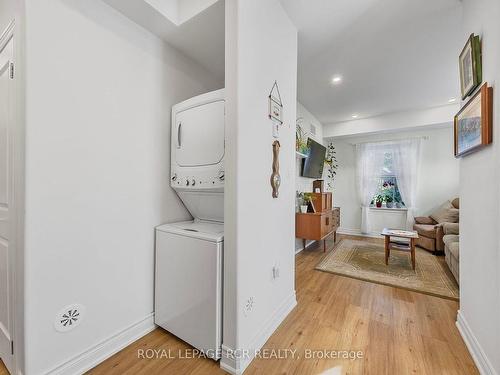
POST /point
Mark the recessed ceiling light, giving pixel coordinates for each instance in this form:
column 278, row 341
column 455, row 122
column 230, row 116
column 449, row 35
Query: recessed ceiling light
column 354, row 116
column 452, row 100
column 336, row 79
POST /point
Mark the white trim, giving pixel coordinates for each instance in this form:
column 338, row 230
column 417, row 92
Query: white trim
column 357, row 232
column 480, row 359
column 387, row 209
column 106, row 348
column 237, row 366
column 308, row 243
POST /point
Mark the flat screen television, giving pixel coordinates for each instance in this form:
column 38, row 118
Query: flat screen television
column 312, row 165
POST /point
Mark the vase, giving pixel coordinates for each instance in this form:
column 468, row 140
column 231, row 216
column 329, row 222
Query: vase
column 303, row 209
column 378, row 204
column 389, row 204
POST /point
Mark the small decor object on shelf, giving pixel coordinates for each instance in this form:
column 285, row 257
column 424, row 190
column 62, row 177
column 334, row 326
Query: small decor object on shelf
column 473, row 125
column 470, row 66
column 318, row 186
column 378, row 200
column 332, row 165
column 304, row 200
column 275, row 176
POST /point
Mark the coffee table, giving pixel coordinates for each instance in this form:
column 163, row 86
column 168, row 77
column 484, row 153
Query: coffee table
column 393, row 244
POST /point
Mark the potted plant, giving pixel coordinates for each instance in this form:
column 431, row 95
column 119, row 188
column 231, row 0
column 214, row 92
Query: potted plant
column 378, row 200
column 304, row 199
column 388, row 201
column 332, row 165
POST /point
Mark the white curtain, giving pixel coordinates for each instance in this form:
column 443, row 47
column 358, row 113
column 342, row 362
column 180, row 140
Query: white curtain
column 406, row 156
column 370, row 161
column 370, row 164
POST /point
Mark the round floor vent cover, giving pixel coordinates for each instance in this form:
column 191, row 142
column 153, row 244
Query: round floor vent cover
column 69, row 317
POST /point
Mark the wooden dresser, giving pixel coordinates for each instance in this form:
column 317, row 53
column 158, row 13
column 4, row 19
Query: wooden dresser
column 318, row 225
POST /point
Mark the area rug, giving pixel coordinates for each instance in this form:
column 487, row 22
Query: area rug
column 366, row 261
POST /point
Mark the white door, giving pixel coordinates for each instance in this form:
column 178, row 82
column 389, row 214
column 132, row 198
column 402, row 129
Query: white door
column 6, row 258
column 199, row 135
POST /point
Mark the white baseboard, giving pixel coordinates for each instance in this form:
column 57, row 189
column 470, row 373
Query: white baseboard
column 480, row 359
column 237, row 366
column 357, row 232
column 105, row 349
column 308, row 243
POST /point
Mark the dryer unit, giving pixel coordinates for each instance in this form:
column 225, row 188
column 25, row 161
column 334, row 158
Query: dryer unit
column 188, row 275
column 197, row 163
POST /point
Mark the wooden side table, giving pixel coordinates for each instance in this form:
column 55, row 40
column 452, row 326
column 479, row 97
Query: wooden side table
column 391, row 244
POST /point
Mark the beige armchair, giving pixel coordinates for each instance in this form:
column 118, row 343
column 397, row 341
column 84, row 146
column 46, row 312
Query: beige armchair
column 430, row 228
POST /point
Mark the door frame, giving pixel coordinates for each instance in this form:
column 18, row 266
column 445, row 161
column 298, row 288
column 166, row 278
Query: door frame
column 17, row 195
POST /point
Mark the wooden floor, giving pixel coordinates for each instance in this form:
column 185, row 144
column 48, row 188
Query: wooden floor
column 3, row 370
column 398, row 331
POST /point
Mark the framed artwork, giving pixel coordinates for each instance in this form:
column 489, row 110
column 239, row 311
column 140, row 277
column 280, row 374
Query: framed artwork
column 470, row 66
column 473, row 125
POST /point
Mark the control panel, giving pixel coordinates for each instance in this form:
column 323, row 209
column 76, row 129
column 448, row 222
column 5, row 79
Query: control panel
column 200, row 178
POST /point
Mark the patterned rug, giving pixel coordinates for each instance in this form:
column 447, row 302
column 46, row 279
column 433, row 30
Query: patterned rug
column 365, row 261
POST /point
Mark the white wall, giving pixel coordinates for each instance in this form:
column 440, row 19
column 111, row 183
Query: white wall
column 304, row 183
column 438, row 178
column 479, row 212
column 99, row 96
column 259, row 232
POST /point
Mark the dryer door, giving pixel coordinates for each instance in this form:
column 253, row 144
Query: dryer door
column 198, row 135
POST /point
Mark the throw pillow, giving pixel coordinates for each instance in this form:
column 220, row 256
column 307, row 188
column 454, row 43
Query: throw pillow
column 446, row 214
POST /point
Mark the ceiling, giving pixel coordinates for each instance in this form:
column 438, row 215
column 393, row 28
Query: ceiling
column 393, row 55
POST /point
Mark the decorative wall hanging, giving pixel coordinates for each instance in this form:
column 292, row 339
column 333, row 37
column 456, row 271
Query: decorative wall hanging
column 473, row 125
column 470, row 66
column 332, row 165
column 275, row 109
column 275, row 104
column 275, row 177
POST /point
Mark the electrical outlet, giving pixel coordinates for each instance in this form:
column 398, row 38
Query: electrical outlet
column 249, row 304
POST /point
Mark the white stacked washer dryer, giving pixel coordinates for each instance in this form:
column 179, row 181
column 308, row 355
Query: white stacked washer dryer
column 189, row 255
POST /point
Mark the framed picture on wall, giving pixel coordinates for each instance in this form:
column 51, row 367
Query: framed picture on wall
column 473, row 125
column 470, row 66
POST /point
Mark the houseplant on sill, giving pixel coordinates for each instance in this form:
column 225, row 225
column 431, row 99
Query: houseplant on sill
column 378, row 200
column 388, row 201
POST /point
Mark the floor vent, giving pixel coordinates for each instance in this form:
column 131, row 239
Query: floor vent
column 69, row 317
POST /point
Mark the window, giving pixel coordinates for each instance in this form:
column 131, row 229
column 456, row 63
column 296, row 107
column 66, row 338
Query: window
column 387, row 185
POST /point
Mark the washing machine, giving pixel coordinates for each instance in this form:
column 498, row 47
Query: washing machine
column 189, row 254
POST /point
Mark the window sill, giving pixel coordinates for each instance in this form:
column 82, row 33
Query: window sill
column 388, row 209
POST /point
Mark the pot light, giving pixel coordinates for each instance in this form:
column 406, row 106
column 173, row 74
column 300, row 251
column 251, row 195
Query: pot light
column 355, row 115
column 336, row 79
column 452, row 100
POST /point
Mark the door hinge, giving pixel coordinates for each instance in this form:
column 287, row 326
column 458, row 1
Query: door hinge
column 12, row 347
column 11, row 70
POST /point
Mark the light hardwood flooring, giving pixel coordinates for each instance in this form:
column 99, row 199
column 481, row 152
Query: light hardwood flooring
column 3, row 370
column 398, row 331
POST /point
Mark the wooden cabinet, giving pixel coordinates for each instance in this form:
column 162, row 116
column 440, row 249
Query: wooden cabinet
column 318, row 225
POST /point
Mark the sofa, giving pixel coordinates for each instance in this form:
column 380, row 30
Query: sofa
column 430, row 228
column 451, row 247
